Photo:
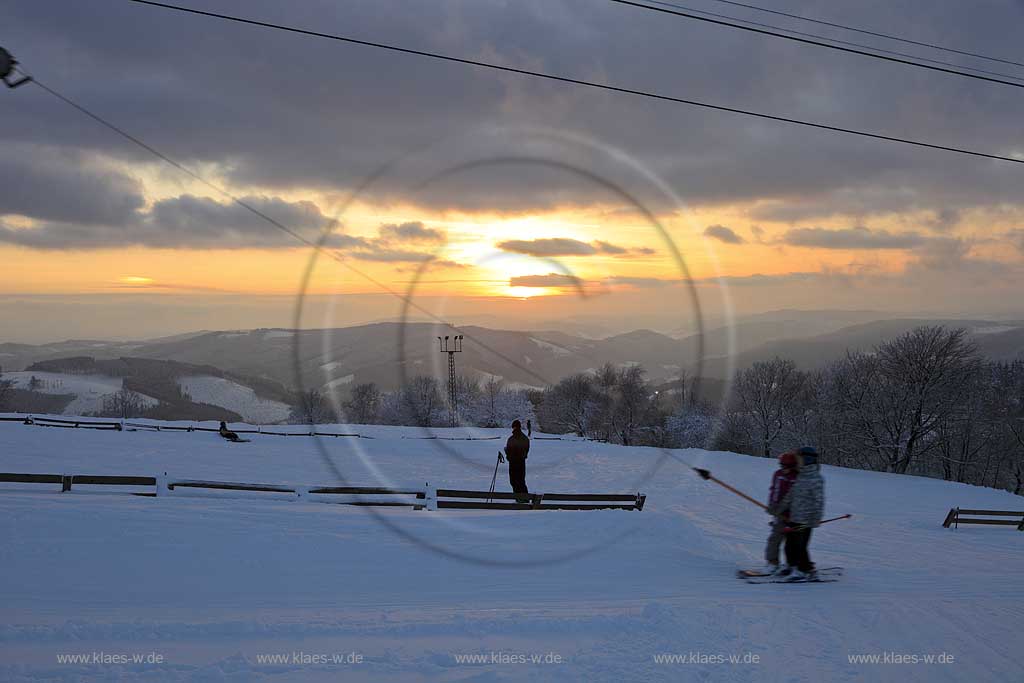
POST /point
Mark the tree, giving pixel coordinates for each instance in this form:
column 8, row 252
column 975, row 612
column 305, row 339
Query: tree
column 363, row 405
column 418, row 402
column 312, row 408
column 6, row 391
column 891, row 402
column 569, row 405
column 631, row 404
column 124, row 403
column 768, row 393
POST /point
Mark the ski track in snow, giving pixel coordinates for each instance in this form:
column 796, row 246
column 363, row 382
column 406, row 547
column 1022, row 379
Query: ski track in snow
column 211, row 581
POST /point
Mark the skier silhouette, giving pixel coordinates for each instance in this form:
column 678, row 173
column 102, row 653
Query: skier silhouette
column 516, row 450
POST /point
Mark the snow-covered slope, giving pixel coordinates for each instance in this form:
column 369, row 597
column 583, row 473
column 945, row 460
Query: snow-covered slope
column 215, row 583
column 238, row 398
column 89, row 390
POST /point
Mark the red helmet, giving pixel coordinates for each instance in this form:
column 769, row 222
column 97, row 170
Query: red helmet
column 788, row 459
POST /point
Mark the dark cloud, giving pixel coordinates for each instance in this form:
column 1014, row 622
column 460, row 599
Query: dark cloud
column 549, row 280
column 723, row 233
column 184, row 222
column 851, row 238
column 278, row 111
column 413, row 231
column 45, row 185
column 944, row 220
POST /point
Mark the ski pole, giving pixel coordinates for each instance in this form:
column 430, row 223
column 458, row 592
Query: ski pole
column 801, row 527
column 706, row 475
column 833, row 519
column 495, row 477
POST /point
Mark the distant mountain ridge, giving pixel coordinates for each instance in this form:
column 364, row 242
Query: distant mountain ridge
column 386, row 352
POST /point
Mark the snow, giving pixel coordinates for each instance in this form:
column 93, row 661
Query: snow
column 327, row 367
column 89, row 390
column 278, row 334
column 553, row 348
column 994, row 329
column 347, row 379
column 214, row 582
column 241, row 399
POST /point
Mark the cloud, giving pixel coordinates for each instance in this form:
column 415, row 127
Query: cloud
column 565, row 246
column 851, row 238
column 548, row 246
column 42, row 184
column 640, row 282
column 549, row 280
column 944, row 220
column 609, row 248
column 183, row 222
column 392, row 255
column 413, row 231
column 724, row 234
column 315, row 126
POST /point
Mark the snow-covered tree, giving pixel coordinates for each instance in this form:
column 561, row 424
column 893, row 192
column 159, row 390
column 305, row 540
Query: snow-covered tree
column 363, row 404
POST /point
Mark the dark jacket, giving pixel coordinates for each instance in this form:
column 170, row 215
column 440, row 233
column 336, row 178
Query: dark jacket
column 517, row 447
column 782, row 481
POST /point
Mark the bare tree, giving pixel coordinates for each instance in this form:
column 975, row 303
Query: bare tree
column 312, row 408
column 421, row 398
column 768, row 393
column 890, row 402
column 6, row 390
column 363, row 405
column 124, row 403
column 569, row 405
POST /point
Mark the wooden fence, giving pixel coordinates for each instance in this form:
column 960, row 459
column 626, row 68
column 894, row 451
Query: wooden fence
column 955, row 518
column 377, row 496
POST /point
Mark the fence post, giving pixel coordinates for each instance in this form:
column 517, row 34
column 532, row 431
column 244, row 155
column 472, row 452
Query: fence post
column 161, row 484
column 430, row 496
column 65, row 483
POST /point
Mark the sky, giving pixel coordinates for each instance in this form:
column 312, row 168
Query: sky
column 398, row 185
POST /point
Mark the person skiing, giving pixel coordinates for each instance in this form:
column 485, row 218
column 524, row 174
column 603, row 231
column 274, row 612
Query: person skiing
column 516, row 450
column 806, row 504
column 782, row 481
column 227, row 433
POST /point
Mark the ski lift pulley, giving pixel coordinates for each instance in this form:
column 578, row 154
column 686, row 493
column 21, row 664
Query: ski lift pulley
column 7, row 64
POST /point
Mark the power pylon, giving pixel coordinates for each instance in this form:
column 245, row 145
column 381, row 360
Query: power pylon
column 451, row 346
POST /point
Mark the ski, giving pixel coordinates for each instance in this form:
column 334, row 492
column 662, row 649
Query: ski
column 755, row 573
column 821, row 578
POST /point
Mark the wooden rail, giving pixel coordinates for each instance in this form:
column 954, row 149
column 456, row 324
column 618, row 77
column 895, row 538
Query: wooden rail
column 954, row 517
column 456, row 499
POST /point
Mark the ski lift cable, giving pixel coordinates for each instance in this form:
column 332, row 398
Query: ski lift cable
column 878, row 34
column 836, row 40
column 817, row 43
column 590, row 84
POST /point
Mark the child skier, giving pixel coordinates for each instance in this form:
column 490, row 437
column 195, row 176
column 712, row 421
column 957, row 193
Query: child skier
column 806, row 504
column 782, row 481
